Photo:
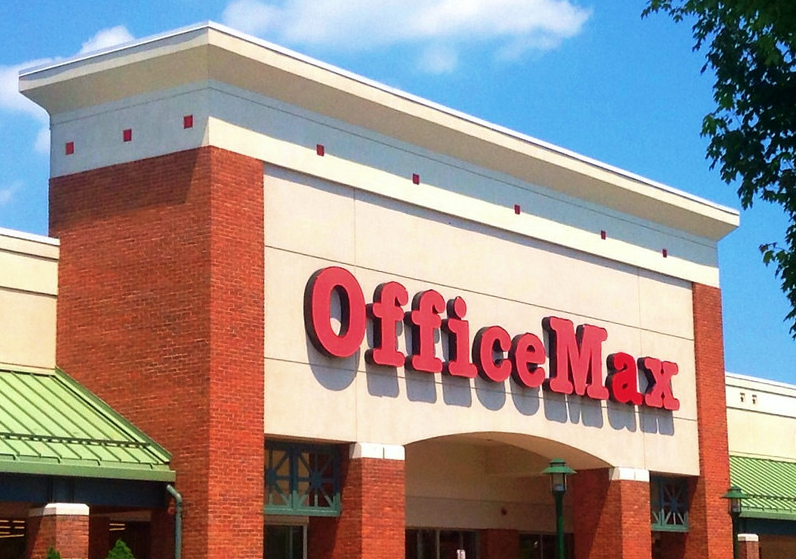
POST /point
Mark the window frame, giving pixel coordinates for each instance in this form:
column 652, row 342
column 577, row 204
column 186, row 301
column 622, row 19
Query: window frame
column 321, row 485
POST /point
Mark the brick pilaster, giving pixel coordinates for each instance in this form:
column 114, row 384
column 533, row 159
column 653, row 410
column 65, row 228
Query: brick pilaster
column 748, row 546
column 710, row 527
column 372, row 523
column 499, row 544
column 161, row 313
column 611, row 518
column 62, row 526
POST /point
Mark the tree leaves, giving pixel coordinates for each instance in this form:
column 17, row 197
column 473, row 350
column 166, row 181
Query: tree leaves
column 750, row 46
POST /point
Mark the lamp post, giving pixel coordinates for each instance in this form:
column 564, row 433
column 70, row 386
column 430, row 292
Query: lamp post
column 558, row 472
column 734, row 506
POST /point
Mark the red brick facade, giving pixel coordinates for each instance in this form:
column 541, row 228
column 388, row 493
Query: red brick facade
column 371, row 525
column 748, row 547
column 67, row 534
column 710, row 526
column 161, row 313
column 611, row 518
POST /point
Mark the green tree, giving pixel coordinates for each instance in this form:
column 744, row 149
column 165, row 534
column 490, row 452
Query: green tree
column 120, row 551
column 53, row 554
column 751, row 48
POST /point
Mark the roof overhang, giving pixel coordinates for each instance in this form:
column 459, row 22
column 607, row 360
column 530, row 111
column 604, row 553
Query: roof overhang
column 214, row 52
column 51, row 425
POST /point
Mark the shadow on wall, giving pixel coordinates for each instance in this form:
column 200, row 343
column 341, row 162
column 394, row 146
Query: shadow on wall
column 338, row 374
column 418, row 387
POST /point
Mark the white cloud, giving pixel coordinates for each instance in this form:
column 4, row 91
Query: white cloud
column 13, row 102
column 7, row 192
column 511, row 27
column 11, row 99
column 105, row 38
column 438, row 60
column 42, row 143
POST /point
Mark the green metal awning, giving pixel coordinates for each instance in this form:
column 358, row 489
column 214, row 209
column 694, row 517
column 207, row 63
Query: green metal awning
column 769, row 484
column 51, row 425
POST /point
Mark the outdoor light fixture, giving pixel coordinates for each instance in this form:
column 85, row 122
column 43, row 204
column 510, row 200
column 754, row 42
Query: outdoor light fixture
column 558, row 472
column 734, row 506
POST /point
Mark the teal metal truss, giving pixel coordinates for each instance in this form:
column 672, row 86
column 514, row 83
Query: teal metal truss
column 302, row 478
column 669, row 504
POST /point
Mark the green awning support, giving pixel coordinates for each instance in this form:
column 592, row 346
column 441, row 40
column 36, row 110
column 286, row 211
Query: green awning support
column 52, row 425
column 770, row 486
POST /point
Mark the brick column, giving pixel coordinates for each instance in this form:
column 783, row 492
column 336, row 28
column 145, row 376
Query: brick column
column 161, row 314
column 748, row 546
column 499, row 544
column 372, row 523
column 62, row 526
column 710, row 526
column 611, row 514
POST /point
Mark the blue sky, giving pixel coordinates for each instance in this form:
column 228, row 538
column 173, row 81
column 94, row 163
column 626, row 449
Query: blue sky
column 592, row 77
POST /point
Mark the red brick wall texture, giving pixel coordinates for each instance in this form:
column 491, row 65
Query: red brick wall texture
column 371, row 525
column 161, row 313
column 611, row 518
column 710, row 527
column 748, row 550
column 66, row 534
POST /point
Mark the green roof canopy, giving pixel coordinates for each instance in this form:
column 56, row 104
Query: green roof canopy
column 770, row 486
column 51, row 425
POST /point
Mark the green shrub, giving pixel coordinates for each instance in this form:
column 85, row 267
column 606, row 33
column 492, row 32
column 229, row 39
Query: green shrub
column 53, row 554
column 119, row 551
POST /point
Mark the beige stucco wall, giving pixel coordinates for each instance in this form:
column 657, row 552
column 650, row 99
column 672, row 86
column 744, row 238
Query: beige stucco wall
column 469, row 485
column 456, row 232
column 28, row 289
column 506, row 280
column 761, row 418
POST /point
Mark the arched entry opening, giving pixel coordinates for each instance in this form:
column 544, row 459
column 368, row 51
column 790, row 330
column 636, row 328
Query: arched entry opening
column 482, row 495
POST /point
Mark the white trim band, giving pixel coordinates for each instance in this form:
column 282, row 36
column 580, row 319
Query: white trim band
column 629, row 474
column 376, row 450
column 748, row 538
column 60, row 509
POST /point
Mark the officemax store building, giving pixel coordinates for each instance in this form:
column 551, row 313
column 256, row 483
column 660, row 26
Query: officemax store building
column 361, row 325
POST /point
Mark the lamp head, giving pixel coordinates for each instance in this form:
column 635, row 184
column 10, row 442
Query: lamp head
column 734, row 498
column 558, row 472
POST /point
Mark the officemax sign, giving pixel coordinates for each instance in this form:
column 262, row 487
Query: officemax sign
column 575, row 363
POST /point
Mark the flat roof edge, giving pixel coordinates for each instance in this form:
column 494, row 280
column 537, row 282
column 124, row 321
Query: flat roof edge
column 98, row 471
column 725, row 219
column 757, row 380
column 33, row 237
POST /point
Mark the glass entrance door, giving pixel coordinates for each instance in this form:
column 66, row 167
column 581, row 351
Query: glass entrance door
column 285, row 542
column 430, row 543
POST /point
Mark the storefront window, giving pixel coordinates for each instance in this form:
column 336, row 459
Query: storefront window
column 429, row 543
column 285, row 542
column 12, row 538
column 543, row 546
column 669, row 504
column 302, row 479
